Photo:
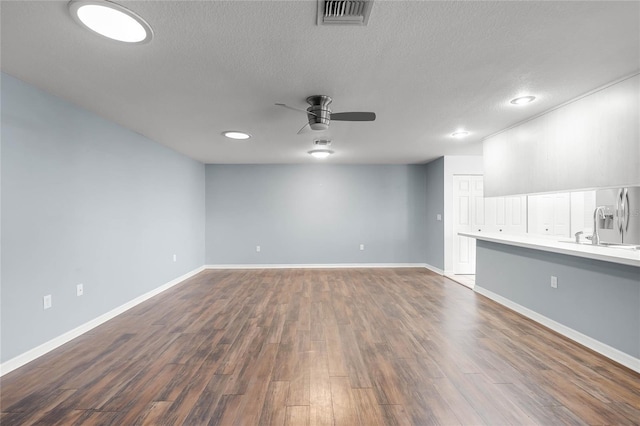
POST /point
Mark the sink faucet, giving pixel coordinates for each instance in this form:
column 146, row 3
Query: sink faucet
column 595, row 240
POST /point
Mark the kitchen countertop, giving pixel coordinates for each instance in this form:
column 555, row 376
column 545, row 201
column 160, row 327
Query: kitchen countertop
column 561, row 245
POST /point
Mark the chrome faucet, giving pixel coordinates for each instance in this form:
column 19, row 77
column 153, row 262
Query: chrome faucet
column 595, row 240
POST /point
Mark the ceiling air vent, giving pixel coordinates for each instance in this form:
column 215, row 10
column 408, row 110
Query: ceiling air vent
column 344, row 12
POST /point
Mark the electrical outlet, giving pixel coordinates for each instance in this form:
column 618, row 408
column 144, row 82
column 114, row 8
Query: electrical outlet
column 361, row 247
column 438, row 217
column 257, row 249
column 175, row 257
column 554, row 282
column 46, row 301
column 79, row 290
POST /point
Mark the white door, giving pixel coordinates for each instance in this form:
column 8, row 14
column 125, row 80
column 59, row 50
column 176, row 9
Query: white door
column 468, row 214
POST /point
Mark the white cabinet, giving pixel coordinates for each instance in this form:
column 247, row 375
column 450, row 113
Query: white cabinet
column 592, row 142
column 505, row 214
column 472, row 212
column 550, row 214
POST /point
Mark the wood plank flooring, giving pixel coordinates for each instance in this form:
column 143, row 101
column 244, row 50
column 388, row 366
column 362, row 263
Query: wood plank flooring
column 320, row 347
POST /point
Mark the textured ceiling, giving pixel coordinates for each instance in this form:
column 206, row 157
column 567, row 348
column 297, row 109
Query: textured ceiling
column 426, row 68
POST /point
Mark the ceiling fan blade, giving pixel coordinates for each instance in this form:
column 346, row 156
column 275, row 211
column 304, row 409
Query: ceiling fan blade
column 296, row 109
column 353, row 116
column 302, row 131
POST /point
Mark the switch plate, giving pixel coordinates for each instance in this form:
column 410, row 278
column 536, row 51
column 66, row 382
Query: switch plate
column 361, row 247
column 46, row 301
column 438, row 217
column 175, row 257
column 257, row 249
column 554, row 282
column 79, row 290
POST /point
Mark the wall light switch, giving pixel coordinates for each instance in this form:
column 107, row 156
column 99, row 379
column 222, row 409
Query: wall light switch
column 79, row 290
column 361, row 246
column 175, row 257
column 438, row 217
column 554, row 282
column 46, row 301
column 258, row 249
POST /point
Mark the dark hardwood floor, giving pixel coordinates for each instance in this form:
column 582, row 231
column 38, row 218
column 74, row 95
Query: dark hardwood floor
column 320, row 347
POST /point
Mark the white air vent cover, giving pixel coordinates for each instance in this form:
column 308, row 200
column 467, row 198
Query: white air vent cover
column 344, row 12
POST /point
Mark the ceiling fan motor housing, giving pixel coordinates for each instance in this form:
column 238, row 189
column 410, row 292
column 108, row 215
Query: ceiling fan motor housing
column 321, row 114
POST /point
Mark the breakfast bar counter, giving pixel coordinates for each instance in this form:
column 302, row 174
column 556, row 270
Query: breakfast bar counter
column 588, row 293
column 622, row 255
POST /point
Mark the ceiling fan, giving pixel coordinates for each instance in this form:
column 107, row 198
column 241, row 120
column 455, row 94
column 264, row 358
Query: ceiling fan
column 319, row 114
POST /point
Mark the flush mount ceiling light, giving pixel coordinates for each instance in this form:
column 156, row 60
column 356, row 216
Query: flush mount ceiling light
column 234, row 134
column 321, row 153
column 523, row 100
column 111, row 20
column 460, row 134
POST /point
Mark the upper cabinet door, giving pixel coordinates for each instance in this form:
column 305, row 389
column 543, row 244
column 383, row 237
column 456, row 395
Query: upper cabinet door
column 592, row 142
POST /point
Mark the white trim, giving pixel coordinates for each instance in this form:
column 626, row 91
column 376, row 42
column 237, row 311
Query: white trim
column 434, row 269
column 323, row 266
column 54, row 343
column 591, row 343
column 456, row 278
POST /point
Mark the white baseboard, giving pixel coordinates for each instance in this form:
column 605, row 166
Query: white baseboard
column 434, row 269
column 52, row 344
column 315, row 265
column 324, row 266
column 591, row 343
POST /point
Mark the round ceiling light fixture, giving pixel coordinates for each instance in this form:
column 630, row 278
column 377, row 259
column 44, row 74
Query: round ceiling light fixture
column 523, row 100
column 234, row 134
column 111, row 20
column 460, row 134
column 321, row 153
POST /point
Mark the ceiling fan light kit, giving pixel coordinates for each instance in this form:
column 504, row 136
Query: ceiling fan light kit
column 319, row 113
column 320, row 153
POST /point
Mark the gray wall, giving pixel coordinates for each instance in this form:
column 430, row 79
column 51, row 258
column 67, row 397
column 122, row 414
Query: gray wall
column 598, row 299
column 86, row 201
column 435, row 205
column 315, row 214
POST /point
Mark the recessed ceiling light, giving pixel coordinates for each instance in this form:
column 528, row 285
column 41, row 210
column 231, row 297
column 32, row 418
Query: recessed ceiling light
column 523, row 100
column 460, row 134
column 321, row 153
column 234, row 134
column 111, row 20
